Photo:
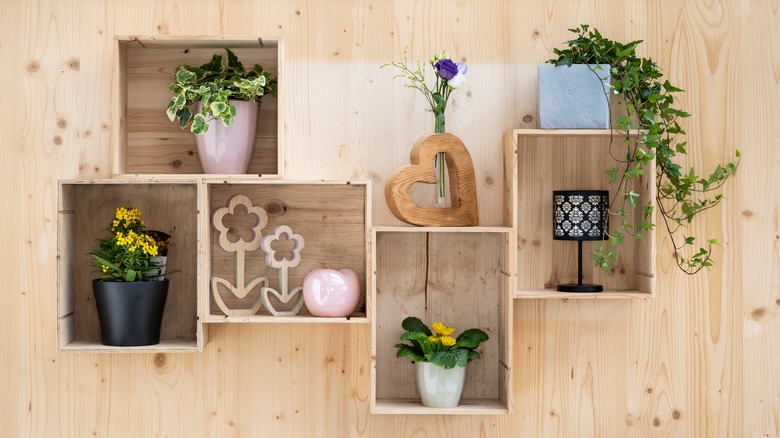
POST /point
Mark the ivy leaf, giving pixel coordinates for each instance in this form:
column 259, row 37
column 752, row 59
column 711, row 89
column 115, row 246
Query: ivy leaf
column 217, row 108
column 199, row 124
column 184, row 76
column 612, row 173
column 184, row 114
column 233, row 63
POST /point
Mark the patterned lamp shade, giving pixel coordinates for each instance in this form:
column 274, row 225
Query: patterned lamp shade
column 580, row 214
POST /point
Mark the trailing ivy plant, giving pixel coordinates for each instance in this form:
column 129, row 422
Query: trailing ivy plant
column 212, row 84
column 649, row 130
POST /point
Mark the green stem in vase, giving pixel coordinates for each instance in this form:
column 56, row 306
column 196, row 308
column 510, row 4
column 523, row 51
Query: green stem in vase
column 440, row 163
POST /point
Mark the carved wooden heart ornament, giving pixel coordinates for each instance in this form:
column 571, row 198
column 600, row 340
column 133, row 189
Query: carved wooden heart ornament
column 463, row 185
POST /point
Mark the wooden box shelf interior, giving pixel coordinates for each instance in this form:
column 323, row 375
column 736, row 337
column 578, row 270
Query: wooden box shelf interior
column 149, row 143
column 540, row 161
column 461, row 279
column 332, row 218
column 86, row 210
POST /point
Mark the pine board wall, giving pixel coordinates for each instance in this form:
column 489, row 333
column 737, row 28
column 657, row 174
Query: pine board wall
column 700, row 360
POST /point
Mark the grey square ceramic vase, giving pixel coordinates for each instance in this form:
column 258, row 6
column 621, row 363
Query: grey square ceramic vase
column 575, row 97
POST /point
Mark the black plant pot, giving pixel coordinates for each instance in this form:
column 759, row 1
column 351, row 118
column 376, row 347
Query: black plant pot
column 130, row 312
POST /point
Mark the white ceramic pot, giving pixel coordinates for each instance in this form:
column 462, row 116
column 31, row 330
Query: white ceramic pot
column 228, row 149
column 439, row 387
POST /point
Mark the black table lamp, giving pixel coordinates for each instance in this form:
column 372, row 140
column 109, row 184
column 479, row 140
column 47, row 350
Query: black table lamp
column 580, row 215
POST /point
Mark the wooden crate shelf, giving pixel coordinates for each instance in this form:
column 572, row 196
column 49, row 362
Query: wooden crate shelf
column 536, row 163
column 149, row 143
column 462, row 278
column 86, row 208
column 332, row 217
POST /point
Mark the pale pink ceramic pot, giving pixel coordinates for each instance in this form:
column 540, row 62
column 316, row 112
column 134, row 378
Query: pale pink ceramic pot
column 229, row 149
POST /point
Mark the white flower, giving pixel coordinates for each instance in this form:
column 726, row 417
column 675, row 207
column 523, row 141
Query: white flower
column 458, row 80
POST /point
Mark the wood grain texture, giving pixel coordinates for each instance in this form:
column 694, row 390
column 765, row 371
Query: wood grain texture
column 548, row 160
column 330, row 217
column 698, row 360
column 152, row 144
column 455, row 278
column 462, row 185
column 87, row 210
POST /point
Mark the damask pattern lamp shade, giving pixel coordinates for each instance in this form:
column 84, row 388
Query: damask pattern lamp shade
column 580, row 215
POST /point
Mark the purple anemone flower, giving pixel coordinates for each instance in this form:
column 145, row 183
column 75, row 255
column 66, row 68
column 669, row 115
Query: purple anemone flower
column 446, row 68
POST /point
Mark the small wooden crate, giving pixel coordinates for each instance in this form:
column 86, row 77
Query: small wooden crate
column 539, row 161
column 86, row 209
column 460, row 276
column 148, row 142
column 333, row 218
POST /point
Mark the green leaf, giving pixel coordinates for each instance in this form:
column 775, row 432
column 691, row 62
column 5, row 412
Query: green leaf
column 212, row 67
column 233, row 63
column 199, row 124
column 413, row 324
column 185, row 115
column 409, row 351
column 184, row 76
column 471, row 338
column 632, row 195
column 449, row 359
column 420, row 339
column 612, row 173
column 217, row 108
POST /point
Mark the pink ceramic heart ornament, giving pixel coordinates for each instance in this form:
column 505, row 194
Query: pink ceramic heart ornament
column 331, row 293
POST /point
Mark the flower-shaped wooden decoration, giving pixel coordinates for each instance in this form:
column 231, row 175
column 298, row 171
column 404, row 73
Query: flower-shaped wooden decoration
column 283, row 294
column 241, row 245
column 241, row 289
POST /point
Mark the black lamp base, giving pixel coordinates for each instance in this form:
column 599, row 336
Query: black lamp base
column 579, row 288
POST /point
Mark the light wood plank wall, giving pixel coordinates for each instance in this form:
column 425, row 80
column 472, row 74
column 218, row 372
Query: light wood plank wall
column 702, row 359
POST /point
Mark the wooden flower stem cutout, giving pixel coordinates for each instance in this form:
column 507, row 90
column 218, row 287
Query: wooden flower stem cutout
column 241, row 289
column 463, row 185
column 283, row 294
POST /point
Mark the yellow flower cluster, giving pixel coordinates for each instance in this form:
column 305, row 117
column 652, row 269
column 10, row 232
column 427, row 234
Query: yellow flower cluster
column 442, row 329
column 447, row 341
column 125, row 217
column 444, row 333
column 132, row 241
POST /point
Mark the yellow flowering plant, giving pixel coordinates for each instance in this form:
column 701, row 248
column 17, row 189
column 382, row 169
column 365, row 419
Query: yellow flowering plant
column 124, row 255
column 438, row 346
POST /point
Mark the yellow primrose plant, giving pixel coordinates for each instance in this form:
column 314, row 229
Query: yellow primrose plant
column 124, row 255
column 438, row 346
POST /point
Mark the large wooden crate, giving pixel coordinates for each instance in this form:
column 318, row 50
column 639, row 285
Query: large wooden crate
column 148, row 142
column 86, row 209
column 332, row 217
column 461, row 277
column 539, row 161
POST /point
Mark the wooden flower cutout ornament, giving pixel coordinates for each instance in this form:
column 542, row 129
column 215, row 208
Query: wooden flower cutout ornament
column 241, row 289
column 283, row 295
column 463, row 186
